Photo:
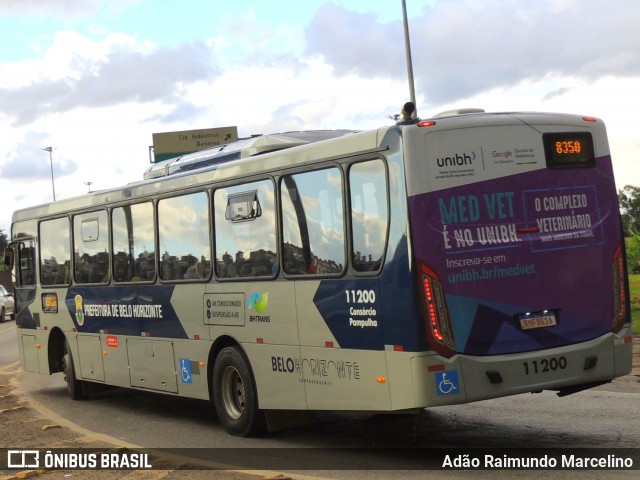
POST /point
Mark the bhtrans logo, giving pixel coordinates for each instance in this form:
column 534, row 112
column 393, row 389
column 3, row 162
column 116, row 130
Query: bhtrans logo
column 463, row 159
column 259, row 304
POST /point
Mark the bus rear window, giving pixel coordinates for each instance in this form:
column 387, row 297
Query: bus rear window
column 569, row 149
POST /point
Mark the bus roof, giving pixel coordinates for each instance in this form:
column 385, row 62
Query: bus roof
column 245, row 147
column 245, row 157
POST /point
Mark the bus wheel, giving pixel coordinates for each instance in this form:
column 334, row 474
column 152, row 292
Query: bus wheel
column 74, row 386
column 234, row 394
column 2, row 314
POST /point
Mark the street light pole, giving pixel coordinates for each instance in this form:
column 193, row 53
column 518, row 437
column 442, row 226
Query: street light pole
column 407, row 47
column 53, row 186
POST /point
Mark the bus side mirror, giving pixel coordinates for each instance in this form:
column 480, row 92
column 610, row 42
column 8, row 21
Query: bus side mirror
column 9, row 256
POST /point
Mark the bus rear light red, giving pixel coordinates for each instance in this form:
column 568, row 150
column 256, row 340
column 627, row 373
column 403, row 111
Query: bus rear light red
column 436, row 313
column 427, row 289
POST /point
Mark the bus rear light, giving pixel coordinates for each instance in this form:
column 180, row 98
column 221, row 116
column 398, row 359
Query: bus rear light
column 620, row 311
column 427, row 123
column 436, row 313
column 589, row 119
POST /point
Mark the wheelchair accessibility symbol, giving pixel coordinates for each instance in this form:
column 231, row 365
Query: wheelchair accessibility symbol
column 185, row 370
column 447, row 383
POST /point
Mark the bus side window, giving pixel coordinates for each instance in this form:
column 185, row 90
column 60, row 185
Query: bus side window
column 91, row 244
column 184, row 229
column 245, row 226
column 55, row 252
column 312, row 223
column 24, row 249
column 134, row 242
column 27, row 263
column 369, row 214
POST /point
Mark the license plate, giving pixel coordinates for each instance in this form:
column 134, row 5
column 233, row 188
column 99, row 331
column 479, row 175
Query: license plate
column 529, row 321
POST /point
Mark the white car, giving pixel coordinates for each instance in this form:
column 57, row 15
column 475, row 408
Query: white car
column 6, row 304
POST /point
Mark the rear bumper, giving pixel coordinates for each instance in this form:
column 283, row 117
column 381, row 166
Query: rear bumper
column 466, row 378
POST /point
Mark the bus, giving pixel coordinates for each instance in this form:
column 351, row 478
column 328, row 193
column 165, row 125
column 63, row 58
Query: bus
column 468, row 256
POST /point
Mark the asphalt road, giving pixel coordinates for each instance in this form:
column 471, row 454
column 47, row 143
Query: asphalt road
column 608, row 417
column 8, row 342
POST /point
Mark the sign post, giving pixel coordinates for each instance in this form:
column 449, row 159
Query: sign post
column 173, row 144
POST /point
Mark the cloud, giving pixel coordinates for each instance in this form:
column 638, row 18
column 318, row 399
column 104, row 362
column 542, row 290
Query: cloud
column 178, row 113
column 556, row 93
column 29, row 163
column 62, row 8
column 124, row 73
column 356, row 42
column 466, row 47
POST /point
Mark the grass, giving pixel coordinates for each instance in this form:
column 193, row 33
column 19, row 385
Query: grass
column 634, row 287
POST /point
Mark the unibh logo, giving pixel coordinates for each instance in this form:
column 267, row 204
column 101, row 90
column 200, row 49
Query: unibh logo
column 457, row 160
column 259, row 303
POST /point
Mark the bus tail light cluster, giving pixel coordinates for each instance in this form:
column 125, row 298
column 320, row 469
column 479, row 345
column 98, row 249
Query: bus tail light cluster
column 436, row 313
column 620, row 300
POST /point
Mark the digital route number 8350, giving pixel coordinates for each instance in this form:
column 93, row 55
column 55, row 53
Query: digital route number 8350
column 544, row 365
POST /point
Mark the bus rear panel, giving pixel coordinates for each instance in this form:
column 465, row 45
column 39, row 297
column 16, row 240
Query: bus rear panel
column 519, row 255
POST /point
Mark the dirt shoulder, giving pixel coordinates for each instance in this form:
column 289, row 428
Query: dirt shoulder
column 27, row 425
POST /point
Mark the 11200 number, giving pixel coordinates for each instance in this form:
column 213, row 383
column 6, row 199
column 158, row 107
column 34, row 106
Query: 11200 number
column 545, row 365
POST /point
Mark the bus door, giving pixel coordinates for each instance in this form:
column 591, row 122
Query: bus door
column 248, row 302
column 341, row 336
column 23, row 253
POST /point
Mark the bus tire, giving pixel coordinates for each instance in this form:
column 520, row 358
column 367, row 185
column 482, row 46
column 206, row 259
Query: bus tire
column 75, row 387
column 234, row 394
column 2, row 314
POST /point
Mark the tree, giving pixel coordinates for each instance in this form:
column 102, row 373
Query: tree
column 629, row 198
column 4, row 242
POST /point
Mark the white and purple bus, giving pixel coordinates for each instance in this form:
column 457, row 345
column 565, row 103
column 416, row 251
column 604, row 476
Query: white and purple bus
column 465, row 257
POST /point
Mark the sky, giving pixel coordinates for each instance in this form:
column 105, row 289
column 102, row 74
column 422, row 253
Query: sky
column 94, row 79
